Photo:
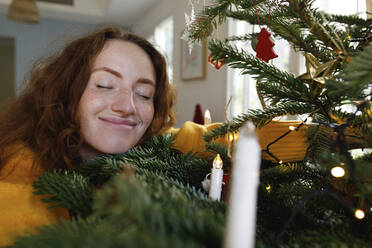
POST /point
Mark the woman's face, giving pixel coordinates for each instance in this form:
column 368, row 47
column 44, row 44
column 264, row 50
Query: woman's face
column 117, row 106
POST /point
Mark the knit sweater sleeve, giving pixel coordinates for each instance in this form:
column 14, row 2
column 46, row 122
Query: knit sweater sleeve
column 20, row 210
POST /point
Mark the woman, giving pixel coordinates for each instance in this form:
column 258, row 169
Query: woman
column 102, row 94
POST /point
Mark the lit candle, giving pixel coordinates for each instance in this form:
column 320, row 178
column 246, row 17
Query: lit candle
column 216, row 179
column 207, row 117
column 241, row 216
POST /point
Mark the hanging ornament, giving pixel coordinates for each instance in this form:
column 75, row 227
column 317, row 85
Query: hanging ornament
column 264, row 46
column 215, row 63
column 317, row 74
column 189, row 19
column 254, row 41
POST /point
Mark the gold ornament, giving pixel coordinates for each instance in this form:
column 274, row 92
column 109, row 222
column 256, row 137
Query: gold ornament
column 317, row 74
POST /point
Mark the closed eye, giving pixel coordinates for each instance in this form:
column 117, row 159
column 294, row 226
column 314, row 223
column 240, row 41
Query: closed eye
column 104, row 87
column 144, row 96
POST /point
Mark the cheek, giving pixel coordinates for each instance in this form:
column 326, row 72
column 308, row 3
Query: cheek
column 147, row 113
column 90, row 103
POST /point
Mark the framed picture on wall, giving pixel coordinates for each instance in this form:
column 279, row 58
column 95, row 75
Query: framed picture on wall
column 193, row 64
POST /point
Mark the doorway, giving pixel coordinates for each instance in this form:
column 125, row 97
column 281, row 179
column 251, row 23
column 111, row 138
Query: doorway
column 7, row 70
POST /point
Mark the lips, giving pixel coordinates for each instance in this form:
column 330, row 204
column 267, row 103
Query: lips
column 119, row 121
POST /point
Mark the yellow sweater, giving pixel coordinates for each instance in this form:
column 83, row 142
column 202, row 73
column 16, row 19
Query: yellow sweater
column 21, row 211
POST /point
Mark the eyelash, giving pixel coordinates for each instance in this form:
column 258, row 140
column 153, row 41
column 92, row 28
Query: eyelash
column 109, row 87
column 144, row 97
column 104, row 87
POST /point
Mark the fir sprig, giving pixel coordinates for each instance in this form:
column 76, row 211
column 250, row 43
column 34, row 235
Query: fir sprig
column 259, row 118
column 249, row 64
column 70, row 190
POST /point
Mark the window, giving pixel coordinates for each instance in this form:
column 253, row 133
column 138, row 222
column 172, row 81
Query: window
column 162, row 38
column 242, row 88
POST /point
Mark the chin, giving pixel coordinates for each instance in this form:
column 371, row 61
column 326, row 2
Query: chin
column 116, row 149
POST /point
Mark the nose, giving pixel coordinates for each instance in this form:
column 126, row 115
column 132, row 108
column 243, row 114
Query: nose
column 123, row 103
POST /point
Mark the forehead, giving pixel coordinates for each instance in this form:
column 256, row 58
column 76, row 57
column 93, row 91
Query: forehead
column 125, row 57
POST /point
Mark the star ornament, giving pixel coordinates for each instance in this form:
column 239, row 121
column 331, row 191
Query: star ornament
column 317, row 72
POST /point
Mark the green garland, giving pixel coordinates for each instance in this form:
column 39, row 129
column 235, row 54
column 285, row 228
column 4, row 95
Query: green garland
column 151, row 196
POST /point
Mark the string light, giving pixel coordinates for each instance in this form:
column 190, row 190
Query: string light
column 338, row 171
column 359, row 214
column 268, row 188
column 291, row 128
column 233, row 137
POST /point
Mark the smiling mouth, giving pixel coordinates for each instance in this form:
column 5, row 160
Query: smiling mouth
column 119, row 121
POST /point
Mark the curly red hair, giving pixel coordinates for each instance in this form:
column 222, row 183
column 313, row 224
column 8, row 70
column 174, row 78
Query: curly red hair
column 44, row 116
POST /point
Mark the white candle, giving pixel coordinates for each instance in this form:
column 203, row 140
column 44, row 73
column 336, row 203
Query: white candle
column 216, row 179
column 241, row 216
column 207, row 117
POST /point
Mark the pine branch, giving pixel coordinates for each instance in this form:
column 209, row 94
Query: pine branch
column 354, row 80
column 67, row 189
column 211, row 16
column 312, row 20
column 284, row 25
column 100, row 169
column 134, row 216
column 319, row 141
column 259, row 118
column 217, row 148
column 249, row 64
column 278, row 93
column 347, row 19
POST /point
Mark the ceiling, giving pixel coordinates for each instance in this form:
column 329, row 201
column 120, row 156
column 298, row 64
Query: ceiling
column 123, row 12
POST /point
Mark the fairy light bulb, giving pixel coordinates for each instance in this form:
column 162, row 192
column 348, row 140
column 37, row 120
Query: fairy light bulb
column 338, row 171
column 359, row 214
column 233, row 137
column 309, row 119
column 268, row 188
column 292, row 128
column 280, row 162
column 217, row 162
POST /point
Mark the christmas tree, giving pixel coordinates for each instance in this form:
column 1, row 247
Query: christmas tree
column 152, row 196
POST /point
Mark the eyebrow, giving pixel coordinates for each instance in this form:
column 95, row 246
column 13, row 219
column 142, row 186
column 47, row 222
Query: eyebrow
column 117, row 74
column 146, row 81
column 113, row 72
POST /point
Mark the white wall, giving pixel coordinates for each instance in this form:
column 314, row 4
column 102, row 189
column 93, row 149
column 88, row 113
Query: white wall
column 33, row 41
column 211, row 92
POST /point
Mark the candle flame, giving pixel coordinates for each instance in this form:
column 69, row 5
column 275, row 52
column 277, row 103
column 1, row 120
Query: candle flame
column 207, row 117
column 217, row 162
